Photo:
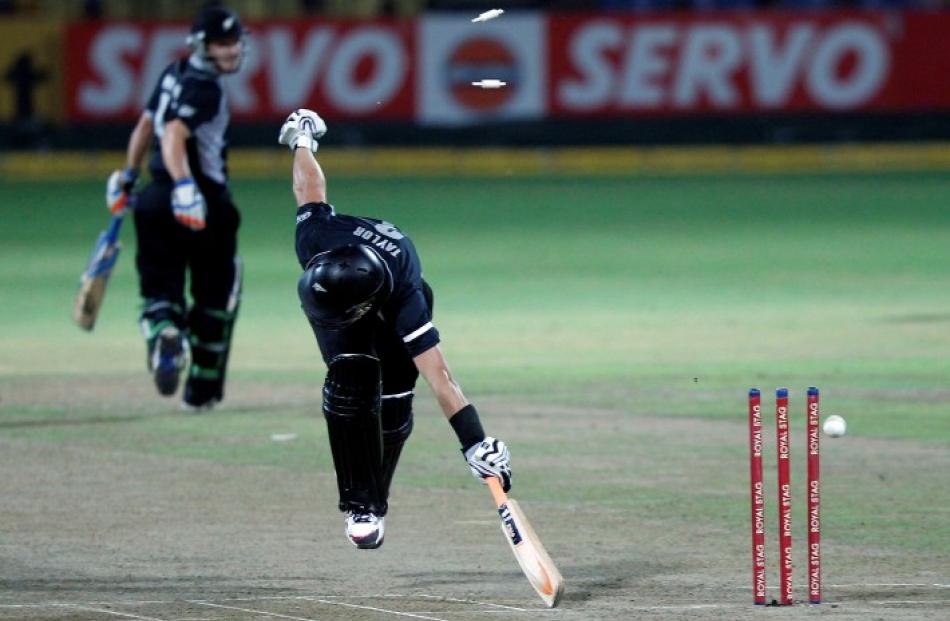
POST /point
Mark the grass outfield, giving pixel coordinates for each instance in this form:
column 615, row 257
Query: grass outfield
column 683, row 290
column 578, row 313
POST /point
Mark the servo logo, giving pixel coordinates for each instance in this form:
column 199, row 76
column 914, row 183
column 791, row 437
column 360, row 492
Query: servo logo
column 480, row 58
column 510, row 527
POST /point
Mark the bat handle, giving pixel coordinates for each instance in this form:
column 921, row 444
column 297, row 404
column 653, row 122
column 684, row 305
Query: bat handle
column 497, row 492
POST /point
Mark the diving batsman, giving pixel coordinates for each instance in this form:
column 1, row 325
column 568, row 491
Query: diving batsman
column 371, row 312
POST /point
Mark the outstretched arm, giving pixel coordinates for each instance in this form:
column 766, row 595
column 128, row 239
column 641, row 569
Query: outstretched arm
column 486, row 456
column 310, row 185
column 433, row 366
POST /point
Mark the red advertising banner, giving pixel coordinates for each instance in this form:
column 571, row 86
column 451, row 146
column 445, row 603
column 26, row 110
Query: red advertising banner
column 345, row 69
column 558, row 65
column 748, row 62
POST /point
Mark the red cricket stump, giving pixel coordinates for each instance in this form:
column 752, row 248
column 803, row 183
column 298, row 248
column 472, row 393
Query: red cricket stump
column 757, row 491
column 814, row 499
column 784, row 496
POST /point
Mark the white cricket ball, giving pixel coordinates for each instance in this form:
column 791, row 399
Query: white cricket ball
column 834, row 426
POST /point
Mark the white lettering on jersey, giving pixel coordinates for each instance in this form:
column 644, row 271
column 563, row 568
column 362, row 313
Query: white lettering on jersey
column 377, row 240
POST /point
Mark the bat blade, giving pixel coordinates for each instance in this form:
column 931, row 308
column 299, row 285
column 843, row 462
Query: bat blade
column 534, row 560
column 93, row 281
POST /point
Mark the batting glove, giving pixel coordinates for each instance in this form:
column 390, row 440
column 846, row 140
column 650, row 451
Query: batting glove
column 489, row 458
column 188, row 205
column 302, row 129
column 118, row 188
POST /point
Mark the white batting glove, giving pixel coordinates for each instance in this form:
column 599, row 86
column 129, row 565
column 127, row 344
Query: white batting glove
column 302, row 129
column 188, row 205
column 118, row 188
column 489, row 458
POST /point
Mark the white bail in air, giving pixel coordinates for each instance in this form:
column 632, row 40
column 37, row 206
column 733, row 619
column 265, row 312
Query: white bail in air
column 489, row 84
column 487, row 15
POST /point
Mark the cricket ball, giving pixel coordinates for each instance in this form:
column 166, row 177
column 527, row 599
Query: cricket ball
column 834, row 426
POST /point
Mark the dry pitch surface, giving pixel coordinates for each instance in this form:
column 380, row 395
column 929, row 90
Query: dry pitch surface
column 94, row 534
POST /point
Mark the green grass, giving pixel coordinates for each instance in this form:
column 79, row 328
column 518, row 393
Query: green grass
column 663, row 297
column 573, row 289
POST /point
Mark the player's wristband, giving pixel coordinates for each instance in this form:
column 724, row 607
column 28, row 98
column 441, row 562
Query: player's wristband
column 467, row 427
column 306, row 142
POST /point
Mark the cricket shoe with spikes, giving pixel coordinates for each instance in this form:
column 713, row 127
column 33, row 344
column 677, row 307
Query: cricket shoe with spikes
column 365, row 530
column 168, row 358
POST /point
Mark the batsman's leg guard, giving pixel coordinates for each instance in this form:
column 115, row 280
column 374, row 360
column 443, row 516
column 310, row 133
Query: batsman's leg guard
column 397, row 426
column 210, row 329
column 351, row 405
column 167, row 350
column 209, row 334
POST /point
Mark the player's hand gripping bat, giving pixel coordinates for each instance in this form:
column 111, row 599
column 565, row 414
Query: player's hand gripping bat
column 533, row 558
column 93, row 281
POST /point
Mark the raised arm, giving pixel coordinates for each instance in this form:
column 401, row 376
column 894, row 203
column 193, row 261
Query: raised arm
column 310, row 185
column 300, row 132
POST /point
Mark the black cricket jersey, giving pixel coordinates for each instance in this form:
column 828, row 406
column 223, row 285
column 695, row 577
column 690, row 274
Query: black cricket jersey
column 320, row 228
column 187, row 92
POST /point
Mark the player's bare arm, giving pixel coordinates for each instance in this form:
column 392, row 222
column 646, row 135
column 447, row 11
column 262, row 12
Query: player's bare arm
column 121, row 182
column 174, row 153
column 486, row 456
column 300, row 133
column 188, row 204
column 139, row 142
column 435, row 369
column 310, row 184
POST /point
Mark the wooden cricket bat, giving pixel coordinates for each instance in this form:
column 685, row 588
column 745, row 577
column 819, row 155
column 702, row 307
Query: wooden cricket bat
column 533, row 558
column 93, row 280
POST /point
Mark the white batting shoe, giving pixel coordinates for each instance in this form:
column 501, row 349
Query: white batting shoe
column 365, row 530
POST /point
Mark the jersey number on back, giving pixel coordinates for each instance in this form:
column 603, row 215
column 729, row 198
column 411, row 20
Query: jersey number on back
column 389, row 230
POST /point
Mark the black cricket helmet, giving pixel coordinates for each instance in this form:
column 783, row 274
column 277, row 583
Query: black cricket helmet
column 341, row 285
column 215, row 23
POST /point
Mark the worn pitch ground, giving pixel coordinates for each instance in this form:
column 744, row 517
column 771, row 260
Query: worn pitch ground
column 92, row 533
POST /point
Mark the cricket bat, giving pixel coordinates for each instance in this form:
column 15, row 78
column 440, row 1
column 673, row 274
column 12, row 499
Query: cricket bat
column 533, row 558
column 93, row 280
